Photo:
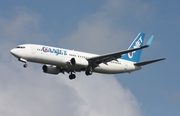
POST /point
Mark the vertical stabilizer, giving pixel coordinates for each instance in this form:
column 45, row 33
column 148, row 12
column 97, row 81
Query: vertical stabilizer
column 135, row 55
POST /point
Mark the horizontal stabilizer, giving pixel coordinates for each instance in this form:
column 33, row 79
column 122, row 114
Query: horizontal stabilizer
column 148, row 62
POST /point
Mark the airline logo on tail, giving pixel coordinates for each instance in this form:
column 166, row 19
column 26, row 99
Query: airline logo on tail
column 137, row 45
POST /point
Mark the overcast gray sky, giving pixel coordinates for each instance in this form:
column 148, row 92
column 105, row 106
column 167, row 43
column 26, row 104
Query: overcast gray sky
column 97, row 27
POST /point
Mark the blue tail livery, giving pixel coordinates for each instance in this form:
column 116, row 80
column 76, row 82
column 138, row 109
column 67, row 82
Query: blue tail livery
column 135, row 56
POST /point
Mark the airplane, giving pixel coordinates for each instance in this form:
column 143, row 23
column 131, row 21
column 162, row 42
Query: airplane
column 58, row 60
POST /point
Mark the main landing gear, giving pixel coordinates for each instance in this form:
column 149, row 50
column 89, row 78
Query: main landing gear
column 88, row 72
column 72, row 76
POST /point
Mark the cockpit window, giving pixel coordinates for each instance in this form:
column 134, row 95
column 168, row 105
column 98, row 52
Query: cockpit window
column 22, row 47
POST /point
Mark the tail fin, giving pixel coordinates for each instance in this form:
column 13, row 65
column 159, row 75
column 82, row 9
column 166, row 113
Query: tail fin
column 135, row 55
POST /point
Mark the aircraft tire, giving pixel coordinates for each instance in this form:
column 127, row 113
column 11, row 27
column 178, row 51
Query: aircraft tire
column 25, row 65
column 88, row 72
column 72, row 76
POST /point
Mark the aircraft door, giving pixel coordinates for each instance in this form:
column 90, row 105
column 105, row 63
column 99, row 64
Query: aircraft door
column 126, row 66
column 33, row 49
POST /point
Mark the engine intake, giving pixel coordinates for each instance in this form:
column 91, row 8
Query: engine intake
column 79, row 62
column 51, row 69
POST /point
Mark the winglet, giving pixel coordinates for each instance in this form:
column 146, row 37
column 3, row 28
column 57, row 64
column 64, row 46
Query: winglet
column 150, row 41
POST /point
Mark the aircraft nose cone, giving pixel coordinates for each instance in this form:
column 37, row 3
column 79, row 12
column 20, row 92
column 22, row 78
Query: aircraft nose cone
column 13, row 52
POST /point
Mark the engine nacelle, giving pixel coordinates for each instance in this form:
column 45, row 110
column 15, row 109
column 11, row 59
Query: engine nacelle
column 50, row 69
column 79, row 62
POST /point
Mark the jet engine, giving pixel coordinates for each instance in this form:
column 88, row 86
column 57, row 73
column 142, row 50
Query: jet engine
column 79, row 62
column 50, row 69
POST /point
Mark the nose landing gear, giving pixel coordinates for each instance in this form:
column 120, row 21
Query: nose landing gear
column 25, row 65
column 23, row 60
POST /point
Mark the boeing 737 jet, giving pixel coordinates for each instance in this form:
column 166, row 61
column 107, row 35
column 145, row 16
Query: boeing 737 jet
column 59, row 60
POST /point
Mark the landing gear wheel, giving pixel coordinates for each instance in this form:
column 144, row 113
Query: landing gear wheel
column 72, row 76
column 25, row 65
column 88, row 72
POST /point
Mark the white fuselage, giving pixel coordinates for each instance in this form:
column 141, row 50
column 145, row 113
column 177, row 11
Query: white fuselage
column 61, row 58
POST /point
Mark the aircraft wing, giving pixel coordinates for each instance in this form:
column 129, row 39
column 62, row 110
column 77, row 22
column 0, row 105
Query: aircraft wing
column 114, row 56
